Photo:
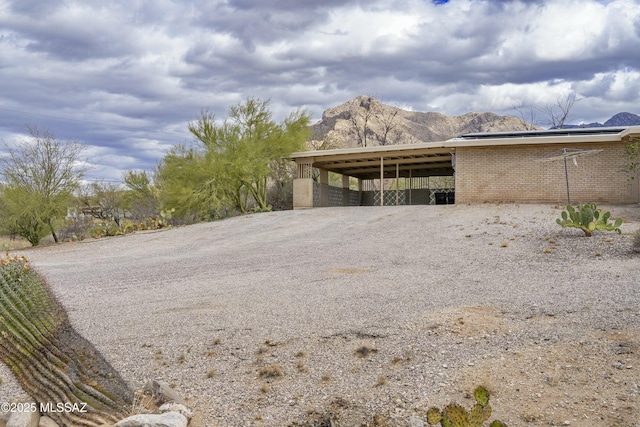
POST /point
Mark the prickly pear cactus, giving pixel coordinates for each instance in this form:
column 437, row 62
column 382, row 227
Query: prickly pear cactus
column 481, row 395
column 433, row 416
column 476, row 416
column 588, row 218
column 456, row 416
column 50, row 360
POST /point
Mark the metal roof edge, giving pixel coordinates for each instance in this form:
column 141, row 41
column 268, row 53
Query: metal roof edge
column 543, row 133
column 567, row 139
column 361, row 150
column 631, row 130
column 581, row 135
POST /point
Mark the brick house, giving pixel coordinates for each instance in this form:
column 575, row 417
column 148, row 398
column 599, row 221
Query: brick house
column 486, row 167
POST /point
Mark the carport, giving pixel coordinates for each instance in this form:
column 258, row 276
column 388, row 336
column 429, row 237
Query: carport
column 521, row 166
column 405, row 168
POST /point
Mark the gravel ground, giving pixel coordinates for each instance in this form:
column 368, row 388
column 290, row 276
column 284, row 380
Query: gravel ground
column 367, row 316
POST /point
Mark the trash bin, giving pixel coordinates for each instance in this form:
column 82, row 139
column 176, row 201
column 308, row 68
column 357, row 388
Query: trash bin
column 441, row 198
column 451, row 197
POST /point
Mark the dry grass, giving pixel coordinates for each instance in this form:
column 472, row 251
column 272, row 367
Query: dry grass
column 364, row 351
column 382, row 380
column 271, row 371
column 8, row 244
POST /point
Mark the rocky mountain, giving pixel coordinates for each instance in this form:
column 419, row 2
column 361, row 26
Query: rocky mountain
column 623, row 119
column 620, row 119
column 364, row 121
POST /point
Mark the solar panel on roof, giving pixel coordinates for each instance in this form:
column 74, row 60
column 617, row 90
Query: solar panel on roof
column 544, row 132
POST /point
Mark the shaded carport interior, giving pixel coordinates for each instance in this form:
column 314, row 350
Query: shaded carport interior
column 369, row 164
column 397, row 161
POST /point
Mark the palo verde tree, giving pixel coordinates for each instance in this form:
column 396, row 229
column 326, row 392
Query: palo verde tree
column 186, row 184
column 241, row 152
column 39, row 176
column 141, row 199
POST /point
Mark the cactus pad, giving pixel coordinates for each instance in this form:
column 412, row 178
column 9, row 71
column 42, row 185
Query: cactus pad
column 487, row 412
column 456, row 414
column 476, row 416
column 433, row 416
column 481, row 395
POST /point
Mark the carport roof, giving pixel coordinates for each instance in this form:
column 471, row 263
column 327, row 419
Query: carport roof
column 436, row 158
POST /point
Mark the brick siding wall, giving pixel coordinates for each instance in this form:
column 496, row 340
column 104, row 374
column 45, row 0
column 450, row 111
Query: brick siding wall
column 511, row 173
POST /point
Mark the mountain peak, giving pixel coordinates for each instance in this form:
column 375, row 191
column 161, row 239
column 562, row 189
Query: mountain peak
column 365, row 121
column 623, row 119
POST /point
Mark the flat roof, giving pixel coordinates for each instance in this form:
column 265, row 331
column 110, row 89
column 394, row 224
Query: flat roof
column 436, row 158
column 543, row 132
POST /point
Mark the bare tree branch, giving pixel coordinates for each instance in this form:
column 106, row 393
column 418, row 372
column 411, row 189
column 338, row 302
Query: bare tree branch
column 558, row 114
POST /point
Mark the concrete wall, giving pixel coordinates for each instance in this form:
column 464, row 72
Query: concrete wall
column 511, row 173
column 302, row 193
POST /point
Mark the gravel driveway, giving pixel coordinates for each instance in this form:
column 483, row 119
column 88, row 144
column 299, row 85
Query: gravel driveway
column 298, row 317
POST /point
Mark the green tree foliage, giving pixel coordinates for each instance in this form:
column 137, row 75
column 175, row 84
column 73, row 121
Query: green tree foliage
column 104, row 200
column 39, row 177
column 232, row 162
column 186, row 184
column 632, row 152
column 141, row 200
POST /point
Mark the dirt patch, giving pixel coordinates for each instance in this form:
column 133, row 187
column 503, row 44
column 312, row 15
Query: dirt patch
column 467, row 321
column 593, row 381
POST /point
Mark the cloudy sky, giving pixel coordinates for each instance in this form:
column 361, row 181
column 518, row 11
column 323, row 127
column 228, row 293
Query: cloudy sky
column 125, row 77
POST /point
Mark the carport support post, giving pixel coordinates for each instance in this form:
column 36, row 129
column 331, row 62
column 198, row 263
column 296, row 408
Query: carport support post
column 381, row 181
column 410, row 186
column 345, row 190
column 397, row 184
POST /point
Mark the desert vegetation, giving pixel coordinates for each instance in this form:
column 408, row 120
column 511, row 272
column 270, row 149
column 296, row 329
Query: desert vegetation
column 588, row 218
column 232, row 167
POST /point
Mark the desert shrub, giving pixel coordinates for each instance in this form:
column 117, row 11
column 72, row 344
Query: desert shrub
column 280, row 195
column 588, row 218
column 108, row 229
column 75, row 228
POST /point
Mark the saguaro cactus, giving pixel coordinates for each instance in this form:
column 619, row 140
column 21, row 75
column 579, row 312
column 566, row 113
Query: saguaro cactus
column 64, row 373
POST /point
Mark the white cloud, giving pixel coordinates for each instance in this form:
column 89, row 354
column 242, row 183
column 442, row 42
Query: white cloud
column 128, row 76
